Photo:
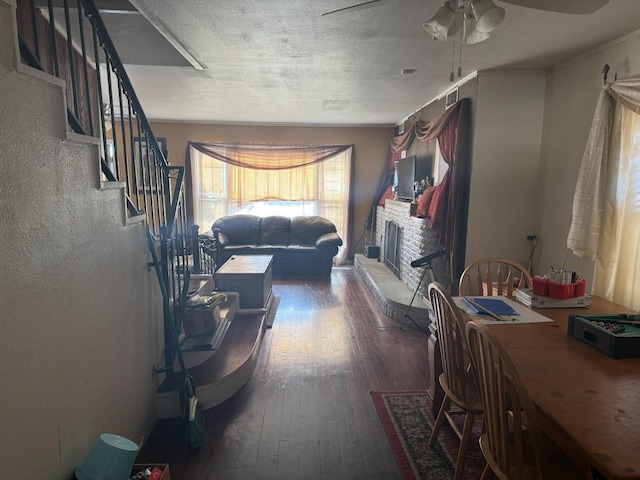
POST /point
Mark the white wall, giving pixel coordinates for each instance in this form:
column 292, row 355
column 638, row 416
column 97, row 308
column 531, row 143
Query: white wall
column 506, row 156
column 572, row 92
column 81, row 311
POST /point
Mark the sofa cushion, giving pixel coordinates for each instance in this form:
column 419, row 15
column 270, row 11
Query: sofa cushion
column 239, row 229
column 274, row 230
column 306, row 230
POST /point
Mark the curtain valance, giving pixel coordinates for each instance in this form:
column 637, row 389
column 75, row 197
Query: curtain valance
column 268, row 157
column 423, row 131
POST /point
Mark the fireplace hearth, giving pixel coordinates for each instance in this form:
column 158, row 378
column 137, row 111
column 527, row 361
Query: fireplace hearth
column 392, row 280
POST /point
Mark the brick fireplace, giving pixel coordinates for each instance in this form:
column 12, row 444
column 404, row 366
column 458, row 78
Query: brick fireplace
column 416, row 240
column 403, row 238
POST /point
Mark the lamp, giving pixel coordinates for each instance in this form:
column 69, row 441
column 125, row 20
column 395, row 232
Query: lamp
column 439, row 25
column 479, row 18
column 111, row 458
column 488, row 15
column 471, row 34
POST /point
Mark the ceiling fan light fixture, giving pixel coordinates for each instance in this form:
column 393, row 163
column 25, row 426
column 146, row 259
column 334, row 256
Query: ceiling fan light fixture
column 487, row 14
column 470, row 33
column 440, row 23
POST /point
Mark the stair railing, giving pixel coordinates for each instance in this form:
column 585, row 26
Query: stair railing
column 72, row 43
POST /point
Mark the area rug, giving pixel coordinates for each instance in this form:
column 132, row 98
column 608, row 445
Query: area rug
column 271, row 314
column 407, row 421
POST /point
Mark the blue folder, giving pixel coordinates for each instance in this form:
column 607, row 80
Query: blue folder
column 494, row 305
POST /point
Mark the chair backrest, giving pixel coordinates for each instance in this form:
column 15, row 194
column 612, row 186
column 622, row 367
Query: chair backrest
column 451, row 338
column 507, row 407
column 493, row 276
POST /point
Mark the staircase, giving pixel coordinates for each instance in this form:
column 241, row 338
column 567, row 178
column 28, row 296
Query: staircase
column 222, row 359
column 81, row 312
column 222, row 371
column 84, row 338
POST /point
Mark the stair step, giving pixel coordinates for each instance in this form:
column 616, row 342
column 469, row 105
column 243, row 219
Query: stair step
column 237, row 348
column 224, row 371
column 200, row 284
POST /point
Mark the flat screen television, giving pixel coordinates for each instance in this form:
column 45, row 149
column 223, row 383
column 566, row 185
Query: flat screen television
column 405, row 177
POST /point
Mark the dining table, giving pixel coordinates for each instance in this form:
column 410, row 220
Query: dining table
column 588, row 402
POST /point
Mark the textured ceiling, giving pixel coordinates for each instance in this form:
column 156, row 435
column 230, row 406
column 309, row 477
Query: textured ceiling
column 282, row 62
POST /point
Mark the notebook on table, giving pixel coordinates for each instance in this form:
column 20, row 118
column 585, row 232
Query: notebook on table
column 485, row 305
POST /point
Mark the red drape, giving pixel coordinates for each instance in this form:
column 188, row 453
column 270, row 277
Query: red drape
column 442, row 198
column 449, row 205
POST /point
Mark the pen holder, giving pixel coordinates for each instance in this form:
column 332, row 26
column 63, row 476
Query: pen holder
column 561, row 291
column 540, row 286
column 569, row 290
column 581, row 288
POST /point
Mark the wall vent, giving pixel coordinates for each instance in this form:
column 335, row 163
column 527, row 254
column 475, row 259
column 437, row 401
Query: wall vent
column 451, row 98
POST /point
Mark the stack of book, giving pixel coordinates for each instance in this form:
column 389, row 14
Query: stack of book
column 530, row 299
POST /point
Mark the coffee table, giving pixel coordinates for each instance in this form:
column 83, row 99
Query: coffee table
column 250, row 276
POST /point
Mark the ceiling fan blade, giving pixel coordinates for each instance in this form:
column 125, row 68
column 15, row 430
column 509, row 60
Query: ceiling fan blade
column 359, row 6
column 583, row 7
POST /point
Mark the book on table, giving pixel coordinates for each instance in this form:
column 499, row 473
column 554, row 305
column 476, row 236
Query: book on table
column 530, row 299
column 489, row 305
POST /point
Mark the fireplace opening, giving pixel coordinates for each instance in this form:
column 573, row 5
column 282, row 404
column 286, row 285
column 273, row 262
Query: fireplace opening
column 392, row 247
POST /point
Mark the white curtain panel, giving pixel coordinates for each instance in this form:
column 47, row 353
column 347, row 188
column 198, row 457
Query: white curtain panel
column 606, row 206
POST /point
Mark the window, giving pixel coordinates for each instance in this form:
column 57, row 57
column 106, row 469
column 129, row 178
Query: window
column 439, row 165
column 617, row 274
column 320, row 188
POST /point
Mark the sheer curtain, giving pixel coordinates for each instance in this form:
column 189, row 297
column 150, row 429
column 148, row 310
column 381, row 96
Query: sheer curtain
column 302, row 180
column 606, row 209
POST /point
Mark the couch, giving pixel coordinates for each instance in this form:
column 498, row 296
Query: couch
column 299, row 245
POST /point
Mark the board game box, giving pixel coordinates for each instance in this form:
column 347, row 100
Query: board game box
column 617, row 335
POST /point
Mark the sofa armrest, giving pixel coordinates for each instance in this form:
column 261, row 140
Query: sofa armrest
column 223, row 240
column 328, row 240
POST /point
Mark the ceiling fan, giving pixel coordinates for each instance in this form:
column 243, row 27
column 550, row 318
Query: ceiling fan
column 583, row 7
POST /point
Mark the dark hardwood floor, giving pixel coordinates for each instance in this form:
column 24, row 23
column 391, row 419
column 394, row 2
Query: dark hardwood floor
column 306, row 413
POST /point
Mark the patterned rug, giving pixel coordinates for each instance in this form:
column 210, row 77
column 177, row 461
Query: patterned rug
column 407, row 420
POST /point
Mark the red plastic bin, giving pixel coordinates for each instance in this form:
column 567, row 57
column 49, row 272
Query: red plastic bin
column 580, row 289
column 562, row 291
column 540, row 286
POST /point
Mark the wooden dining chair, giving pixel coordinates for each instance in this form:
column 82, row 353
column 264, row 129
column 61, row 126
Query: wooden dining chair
column 512, row 443
column 493, row 276
column 457, row 379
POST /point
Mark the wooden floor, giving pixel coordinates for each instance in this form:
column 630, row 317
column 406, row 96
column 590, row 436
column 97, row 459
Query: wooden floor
column 306, row 413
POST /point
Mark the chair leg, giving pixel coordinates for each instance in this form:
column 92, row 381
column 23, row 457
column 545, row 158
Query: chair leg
column 464, row 444
column 487, row 473
column 446, row 404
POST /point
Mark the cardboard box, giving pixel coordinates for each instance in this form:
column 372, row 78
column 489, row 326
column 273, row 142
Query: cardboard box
column 139, row 467
column 202, row 321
